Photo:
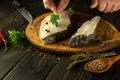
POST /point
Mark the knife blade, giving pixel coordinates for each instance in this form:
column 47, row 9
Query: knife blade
column 71, row 10
column 25, row 13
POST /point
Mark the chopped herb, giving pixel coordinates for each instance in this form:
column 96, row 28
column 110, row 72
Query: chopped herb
column 54, row 18
column 16, row 38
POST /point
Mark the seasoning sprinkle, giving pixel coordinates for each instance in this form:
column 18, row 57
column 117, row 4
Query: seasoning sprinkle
column 44, row 56
column 83, row 57
column 97, row 65
column 47, row 30
column 32, row 55
column 57, row 25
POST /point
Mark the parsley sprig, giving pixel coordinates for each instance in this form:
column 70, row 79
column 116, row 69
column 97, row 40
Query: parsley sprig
column 54, row 18
column 16, row 38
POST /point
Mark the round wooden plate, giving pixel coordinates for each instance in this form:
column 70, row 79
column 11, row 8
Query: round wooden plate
column 104, row 30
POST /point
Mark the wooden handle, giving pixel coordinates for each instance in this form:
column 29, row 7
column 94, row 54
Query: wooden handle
column 62, row 47
column 115, row 58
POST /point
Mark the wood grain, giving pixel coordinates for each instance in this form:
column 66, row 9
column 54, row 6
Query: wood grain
column 104, row 31
column 12, row 67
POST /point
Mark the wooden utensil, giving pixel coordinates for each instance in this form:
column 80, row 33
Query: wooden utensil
column 107, row 64
column 105, row 29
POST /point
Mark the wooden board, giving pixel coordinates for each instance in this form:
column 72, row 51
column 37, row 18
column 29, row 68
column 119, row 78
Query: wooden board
column 105, row 30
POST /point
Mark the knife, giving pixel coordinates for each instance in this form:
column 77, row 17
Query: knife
column 25, row 13
column 71, row 8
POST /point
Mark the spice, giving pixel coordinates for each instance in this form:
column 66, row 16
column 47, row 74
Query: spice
column 2, row 39
column 82, row 57
column 58, row 58
column 44, row 56
column 41, row 54
column 97, row 65
column 47, row 30
column 32, row 55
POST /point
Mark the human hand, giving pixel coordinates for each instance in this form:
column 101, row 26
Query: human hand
column 49, row 4
column 106, row 6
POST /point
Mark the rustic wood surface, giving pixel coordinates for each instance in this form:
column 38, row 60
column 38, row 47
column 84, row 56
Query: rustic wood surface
column 32, row 63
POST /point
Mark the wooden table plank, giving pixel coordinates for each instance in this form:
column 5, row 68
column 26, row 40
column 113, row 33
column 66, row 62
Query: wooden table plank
column 17, row 65
column 45, row 65
column 6, row 9
column 59, row 70
column 76, row 73
column 20, row 70
column 13, row 21
column 73, row 73
column 8, row 60
column 33, row 67
column 10, row 18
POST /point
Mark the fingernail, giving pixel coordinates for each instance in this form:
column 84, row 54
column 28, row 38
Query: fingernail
column 53, row 9
column 93, row 4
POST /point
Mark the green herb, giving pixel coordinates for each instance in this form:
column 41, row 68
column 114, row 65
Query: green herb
column 83, row 57
column 102, row 43
column 54, row 18
column 16, row 38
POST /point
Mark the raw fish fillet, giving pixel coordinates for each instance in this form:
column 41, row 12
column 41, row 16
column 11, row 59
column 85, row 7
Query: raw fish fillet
column 50, row 33
column 85, row 34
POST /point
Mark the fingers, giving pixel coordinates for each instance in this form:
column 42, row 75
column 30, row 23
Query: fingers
column 62, row 5
column 112, row 6
column 115, row 8
column 102, row 5
column 94, row 4
column 49, row 4
column 106, row 6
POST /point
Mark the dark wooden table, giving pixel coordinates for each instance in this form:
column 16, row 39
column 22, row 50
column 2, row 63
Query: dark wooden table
column 32, row 63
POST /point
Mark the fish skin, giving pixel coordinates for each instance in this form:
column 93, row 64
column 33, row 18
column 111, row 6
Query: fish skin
column 81, row 39
column 54, row 33
column 56, row 37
